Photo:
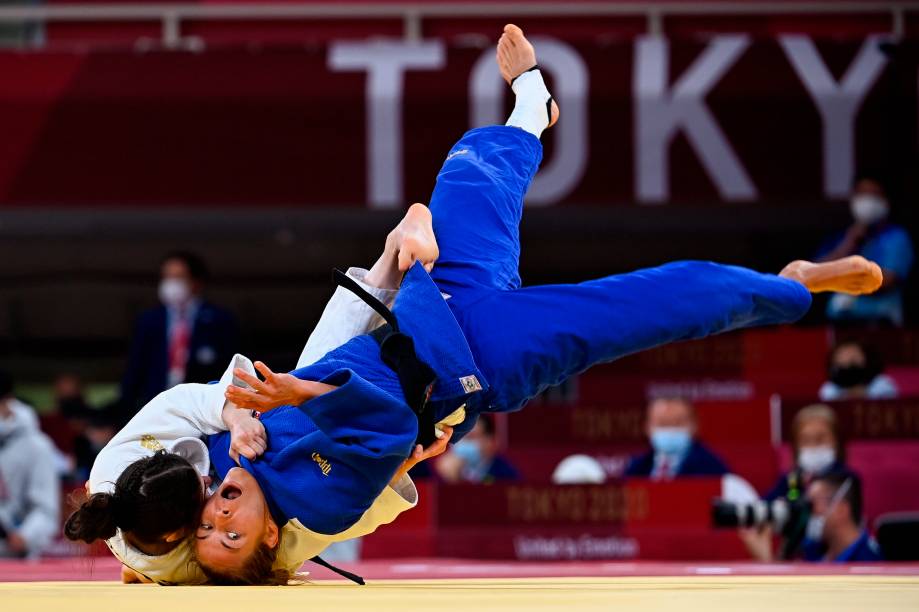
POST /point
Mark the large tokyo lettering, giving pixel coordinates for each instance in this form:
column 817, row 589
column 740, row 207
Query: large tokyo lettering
column 837, row 102
column 661, row 112
column 664, row 106
column 385, row 63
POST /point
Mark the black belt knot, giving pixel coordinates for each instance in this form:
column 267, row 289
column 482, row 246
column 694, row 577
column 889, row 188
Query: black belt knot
column 397, row 350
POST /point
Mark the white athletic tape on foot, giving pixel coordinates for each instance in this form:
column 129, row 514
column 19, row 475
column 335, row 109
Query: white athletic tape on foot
column 530, row 111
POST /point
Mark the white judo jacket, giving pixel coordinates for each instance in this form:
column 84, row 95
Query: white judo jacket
column 177, row 419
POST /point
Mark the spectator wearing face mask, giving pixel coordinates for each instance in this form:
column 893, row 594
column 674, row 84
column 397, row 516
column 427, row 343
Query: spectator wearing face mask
column 29, row 484
column 183, row 339
column 675, row 452
column 875, row 237
column 855, row 371
column 817, row 448
column 834, row 531
column 475, row 458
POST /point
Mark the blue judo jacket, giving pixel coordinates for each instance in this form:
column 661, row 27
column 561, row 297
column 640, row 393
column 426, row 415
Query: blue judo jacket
column 331, row 457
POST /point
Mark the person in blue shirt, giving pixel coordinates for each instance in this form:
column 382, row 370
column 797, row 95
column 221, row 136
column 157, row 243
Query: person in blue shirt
column 465, row 339
column 876, row 238
column 675, row 452
column 834, row 530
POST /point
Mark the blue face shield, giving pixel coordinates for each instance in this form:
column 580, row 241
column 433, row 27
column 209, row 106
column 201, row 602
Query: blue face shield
column 673, row 441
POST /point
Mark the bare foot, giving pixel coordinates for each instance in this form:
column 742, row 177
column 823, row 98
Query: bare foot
column 414, row 239
column 854, row 275
column 515, row 56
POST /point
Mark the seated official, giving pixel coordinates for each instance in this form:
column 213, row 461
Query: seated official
column 675, row 452
column 835, row 531
column 475, row 458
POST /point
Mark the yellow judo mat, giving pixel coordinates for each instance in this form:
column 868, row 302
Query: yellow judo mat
column 697, row 594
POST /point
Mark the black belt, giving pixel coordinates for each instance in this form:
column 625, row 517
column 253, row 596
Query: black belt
column 397, row 350
column 346, row 574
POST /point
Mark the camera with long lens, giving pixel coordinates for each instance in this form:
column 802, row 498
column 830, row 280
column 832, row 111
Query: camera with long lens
column 787, row 518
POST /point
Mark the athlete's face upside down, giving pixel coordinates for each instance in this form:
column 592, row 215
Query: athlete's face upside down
column 235, row 522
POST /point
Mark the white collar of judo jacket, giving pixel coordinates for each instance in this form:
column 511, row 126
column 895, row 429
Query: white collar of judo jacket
column 439, row 341
column 178, row 566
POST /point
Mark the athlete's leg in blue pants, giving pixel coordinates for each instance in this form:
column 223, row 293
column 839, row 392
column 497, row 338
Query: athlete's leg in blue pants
column 525, row 339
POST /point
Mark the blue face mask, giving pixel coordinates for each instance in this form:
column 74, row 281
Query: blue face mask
column 471, row 453
column 671, row 440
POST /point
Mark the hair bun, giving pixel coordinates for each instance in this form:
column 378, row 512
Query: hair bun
column 95, row 519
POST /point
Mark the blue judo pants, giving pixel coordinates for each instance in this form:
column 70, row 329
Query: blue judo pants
column 525, row 339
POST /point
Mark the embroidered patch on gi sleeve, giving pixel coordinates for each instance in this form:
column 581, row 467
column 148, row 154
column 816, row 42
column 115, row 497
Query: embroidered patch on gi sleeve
column 150, row 443
column 470, row 384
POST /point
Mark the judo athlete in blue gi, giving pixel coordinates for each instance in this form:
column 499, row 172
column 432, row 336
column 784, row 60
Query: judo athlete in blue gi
column 465, row 339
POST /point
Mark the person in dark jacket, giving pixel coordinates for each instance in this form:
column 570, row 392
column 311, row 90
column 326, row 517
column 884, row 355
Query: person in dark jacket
column 675, row 451
column 183, row 339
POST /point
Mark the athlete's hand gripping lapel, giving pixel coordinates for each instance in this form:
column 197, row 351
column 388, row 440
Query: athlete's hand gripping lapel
column 276, row 390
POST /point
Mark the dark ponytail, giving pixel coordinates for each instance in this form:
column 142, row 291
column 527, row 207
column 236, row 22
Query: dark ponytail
column 94, row 520
column 154, row 496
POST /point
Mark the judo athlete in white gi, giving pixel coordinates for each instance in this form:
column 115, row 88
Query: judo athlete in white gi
column 161, row 450
column 340, row 428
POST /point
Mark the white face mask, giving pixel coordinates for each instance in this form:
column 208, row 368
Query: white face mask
column 815, row 528
column 868, row 208
column 815, row 459
column 174, row 291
